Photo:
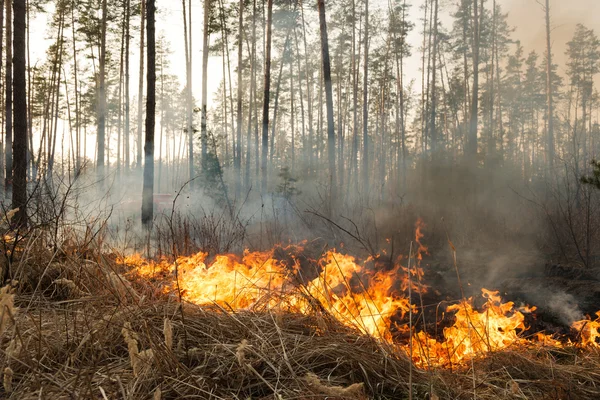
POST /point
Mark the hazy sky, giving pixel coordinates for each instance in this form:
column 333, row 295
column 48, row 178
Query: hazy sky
column 525, row 15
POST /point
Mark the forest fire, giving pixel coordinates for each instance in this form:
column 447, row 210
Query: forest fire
column 376, row 302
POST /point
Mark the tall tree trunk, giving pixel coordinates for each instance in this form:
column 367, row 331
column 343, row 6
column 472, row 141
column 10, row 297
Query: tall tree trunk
column 303, row 122
column 148, row 189
column 365, row 159
column 8, row 138
column 188, row 94
column 309, row 99
column 58, row 63
column 205, row 33
column 2, row 150
column 76, row 89
column 328, row 98
column 433, row 133
column 277, row 91
column 252, row 97
column 140, row 110
column 491, row 156
column 238, row 159
column 267, row 88
column 19, row 194
column 102, row 93
column 549, row 92
column 471, row 148
column 354, row 155
column 120, row 97
column 126, row 149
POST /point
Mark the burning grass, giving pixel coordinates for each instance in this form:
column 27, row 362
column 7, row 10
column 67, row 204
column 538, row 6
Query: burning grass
column 87, row 324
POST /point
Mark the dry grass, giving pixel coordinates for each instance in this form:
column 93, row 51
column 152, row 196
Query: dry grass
column 80, row 330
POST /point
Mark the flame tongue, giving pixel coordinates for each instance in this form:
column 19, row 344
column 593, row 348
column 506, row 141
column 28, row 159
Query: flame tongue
column 358, row 297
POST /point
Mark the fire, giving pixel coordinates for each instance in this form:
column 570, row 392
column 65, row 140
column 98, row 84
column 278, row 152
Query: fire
column 376, row 302
column 589, row 331
column 473, row 333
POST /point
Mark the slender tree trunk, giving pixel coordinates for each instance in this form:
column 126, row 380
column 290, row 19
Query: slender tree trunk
column 267, row 88
column 203, row 131
column 354, row 155
column 328, row 98
column 148, row 189
column 491, row 156
column 365, row 160
column 188, row 93
column 8, row 138
column 2, row 149
column 433, row 134
column 120, row 98
column 277, row 91
column 302, row 120
column 238, row 160
column 252, row 97
column 126, row 149
column 102, row 93
column 471, row 148
column 140, row 116
column 19, row 194
column 309, row 99
column 76, row 89
column 549, row 92
column 292, row 116
column 58, row 62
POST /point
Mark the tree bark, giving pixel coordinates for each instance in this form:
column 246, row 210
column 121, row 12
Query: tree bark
column 126, row 149
column 102, row 93
column 433, row 132
column 549, row 91
column 141, row 89
column 238, row 159
column 252, row 97
column 471, row 148
column 19, row 195
column 365, row 160
column 8, row 137
column 328, row 98
column 203, row 131
column 148, row 189
column 188, row 94
column 267, row 88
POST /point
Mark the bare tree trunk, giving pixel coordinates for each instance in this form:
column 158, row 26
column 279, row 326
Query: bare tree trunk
column 303, row 122
column 141, row 89
column 203, row 131
column 549, row 91
column 238, row 159
column 292, row 114
column 76, row 88
column 8, row 139
column 188, row 93
column 365, row 160
column 102, row 94
column 57, row 102
column 433, row 132
column 277, row 91
column 252, row 97
column 309, row 102
column 126, row 149
column 267, row 88
column 328, row 98
column 120, row 97
column 471, row 148
column 19, row 195
column 148, row 189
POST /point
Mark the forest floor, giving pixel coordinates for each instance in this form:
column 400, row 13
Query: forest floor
column 75, row 324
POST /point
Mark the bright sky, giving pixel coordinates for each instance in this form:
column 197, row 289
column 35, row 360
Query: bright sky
column 526, row 15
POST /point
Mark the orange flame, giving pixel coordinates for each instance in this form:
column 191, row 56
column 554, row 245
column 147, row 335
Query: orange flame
column 374, row 302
